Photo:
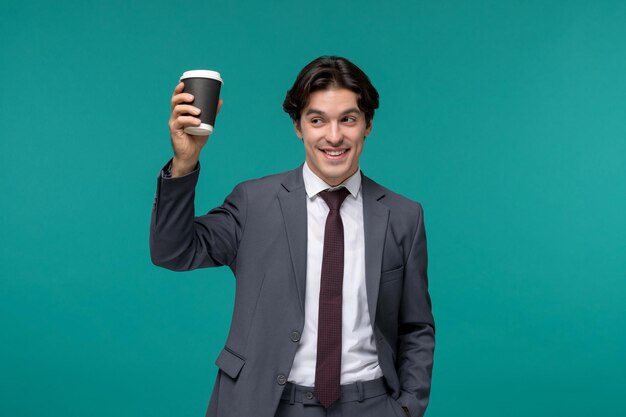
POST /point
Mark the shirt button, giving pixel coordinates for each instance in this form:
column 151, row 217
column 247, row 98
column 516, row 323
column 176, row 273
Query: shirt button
column 295, row 336
column 281, row 379
column 309, row 395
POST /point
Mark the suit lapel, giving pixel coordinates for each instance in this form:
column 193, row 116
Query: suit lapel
column 292, row 199
column 375, row 218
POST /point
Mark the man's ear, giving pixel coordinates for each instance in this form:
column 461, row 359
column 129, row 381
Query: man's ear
column 298, row 128
column 368, row 129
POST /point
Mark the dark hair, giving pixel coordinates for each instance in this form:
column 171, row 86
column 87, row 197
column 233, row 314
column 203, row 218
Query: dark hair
column 328, row 72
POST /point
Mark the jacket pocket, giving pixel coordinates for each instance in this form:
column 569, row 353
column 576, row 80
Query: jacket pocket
column 230, row 362
column 392, row 275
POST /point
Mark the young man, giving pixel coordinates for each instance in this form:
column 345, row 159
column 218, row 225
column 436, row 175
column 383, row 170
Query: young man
column 332, row 314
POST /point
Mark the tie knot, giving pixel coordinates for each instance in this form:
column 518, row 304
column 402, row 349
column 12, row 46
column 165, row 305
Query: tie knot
column 334, row 199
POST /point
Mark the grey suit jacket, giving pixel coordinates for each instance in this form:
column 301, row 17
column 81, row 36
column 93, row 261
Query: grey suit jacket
column 260, row 233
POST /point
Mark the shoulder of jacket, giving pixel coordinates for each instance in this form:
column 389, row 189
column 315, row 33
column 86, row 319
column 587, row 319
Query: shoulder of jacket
column 266, row 180
column 394, row 200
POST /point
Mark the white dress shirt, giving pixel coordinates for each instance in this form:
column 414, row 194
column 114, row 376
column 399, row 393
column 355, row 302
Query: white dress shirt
column 359, row 360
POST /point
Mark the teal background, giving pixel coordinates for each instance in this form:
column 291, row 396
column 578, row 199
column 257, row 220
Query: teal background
column 507, row 120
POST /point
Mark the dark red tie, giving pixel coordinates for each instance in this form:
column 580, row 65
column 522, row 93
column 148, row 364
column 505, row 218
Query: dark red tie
column 328, row 365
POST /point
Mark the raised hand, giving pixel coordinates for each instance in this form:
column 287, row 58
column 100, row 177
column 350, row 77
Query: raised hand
column 186, row 147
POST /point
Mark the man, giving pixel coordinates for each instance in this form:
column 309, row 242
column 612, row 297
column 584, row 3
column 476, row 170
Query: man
column 332, row 314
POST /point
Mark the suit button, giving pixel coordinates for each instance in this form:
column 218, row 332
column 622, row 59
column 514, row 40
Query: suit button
column 309, row 395
column 295, row 336
column 281, row 379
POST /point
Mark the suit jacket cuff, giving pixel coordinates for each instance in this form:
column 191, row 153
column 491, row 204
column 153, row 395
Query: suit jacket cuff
column 413, row 404
column 166, row 171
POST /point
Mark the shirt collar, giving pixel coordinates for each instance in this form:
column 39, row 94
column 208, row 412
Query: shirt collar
column 314, row 184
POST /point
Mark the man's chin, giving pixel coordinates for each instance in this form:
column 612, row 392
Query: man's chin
column 336, row 177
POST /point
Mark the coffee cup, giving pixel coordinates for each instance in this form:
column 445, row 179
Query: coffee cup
column 205, row 87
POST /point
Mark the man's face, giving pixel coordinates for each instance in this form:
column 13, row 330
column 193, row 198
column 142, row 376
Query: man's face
column 333, row 130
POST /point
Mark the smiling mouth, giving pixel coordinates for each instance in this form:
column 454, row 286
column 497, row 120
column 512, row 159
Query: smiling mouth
column 334, row 153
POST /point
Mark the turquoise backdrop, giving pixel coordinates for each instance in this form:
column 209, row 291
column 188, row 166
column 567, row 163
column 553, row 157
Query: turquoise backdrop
column 506, row 119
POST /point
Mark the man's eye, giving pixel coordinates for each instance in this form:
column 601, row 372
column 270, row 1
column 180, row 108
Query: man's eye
column 349, row 119
column 316, row 121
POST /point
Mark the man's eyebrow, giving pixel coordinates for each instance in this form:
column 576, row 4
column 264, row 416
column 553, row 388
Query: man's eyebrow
column 316, row 111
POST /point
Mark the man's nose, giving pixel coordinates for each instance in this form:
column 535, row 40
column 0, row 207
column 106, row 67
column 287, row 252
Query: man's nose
column 334, row 134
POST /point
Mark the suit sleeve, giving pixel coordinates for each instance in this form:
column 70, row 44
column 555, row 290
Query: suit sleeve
column 180, row 241
column 416, row 333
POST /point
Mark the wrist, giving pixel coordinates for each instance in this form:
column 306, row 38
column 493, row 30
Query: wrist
column 183, row 167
